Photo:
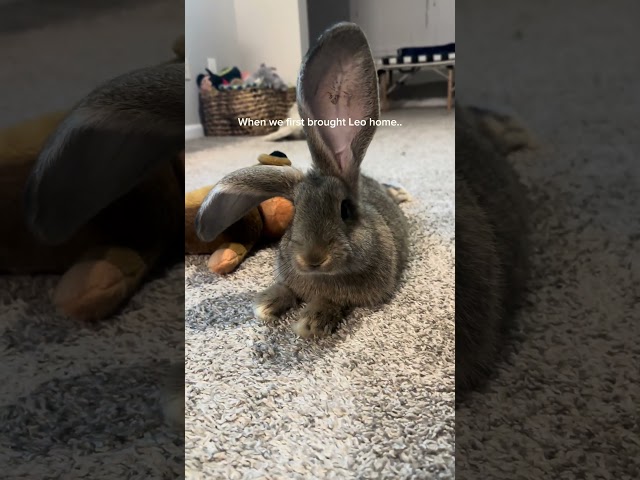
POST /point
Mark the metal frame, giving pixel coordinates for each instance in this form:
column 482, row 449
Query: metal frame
column 444, row 68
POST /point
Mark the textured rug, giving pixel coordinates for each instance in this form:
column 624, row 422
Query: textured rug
column 83, row 401
column 566, row 405
column 374, row 401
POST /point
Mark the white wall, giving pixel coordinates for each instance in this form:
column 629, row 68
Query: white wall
column 210, row 32
column 272, row 32
column 390, row 25
column 73, row 49
column 244, row 33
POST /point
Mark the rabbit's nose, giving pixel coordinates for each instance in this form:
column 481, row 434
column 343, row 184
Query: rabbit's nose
column 312, row 258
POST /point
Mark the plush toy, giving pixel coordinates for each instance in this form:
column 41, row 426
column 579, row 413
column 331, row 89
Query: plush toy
column 94, row 193
column 266, row 77
column 268, row 221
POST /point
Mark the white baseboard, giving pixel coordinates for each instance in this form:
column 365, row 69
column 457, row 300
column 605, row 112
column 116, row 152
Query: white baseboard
column 192, row 131
column 419, row 103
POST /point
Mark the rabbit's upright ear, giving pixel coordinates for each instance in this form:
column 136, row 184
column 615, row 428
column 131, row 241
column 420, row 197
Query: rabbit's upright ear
column 104, row 147
column 240, row 191
column 338, row 80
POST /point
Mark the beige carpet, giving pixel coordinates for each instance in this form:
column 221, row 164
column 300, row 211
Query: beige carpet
column 566, row 406
column 82, row 401
column 374, row 401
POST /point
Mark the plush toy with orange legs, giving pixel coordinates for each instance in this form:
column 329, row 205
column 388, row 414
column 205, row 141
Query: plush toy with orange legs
column 267, row 222
column 94, row 193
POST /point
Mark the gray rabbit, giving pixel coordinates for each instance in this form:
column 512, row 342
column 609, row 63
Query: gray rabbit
column 491, row 239
column 347, row 245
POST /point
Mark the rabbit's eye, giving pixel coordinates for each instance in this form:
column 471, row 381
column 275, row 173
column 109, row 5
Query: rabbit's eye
column 346, row 210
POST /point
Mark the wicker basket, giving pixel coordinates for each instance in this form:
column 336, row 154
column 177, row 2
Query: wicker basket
column 221, row 109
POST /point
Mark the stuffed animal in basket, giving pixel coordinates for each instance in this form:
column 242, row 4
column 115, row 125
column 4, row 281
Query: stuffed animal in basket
column 268, row 221
column 95, row 193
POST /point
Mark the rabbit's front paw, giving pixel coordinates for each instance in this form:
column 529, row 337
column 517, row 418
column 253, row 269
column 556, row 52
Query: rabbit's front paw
column 398, row 193
column 273, row 302
column 318, row 319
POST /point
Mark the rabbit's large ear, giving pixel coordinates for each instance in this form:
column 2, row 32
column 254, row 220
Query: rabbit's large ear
column 104, row 147
column 338, row 80
column 240, row 191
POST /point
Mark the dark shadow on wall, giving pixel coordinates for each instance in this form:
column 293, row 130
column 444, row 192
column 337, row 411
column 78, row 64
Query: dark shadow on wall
column 20, row 15
column 60, row 51
column 321, row 14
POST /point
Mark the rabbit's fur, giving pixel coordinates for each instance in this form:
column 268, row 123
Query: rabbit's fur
column 100, row 196
column 491, row 239
column 365, row 260
column 347, row 244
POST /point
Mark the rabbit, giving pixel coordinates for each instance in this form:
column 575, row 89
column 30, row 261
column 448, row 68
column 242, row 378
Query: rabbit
column 347, row 245
column 492, row 248
column 96, row 193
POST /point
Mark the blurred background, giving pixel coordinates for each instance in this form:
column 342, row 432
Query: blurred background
column 80, row 399
column 54, row 53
